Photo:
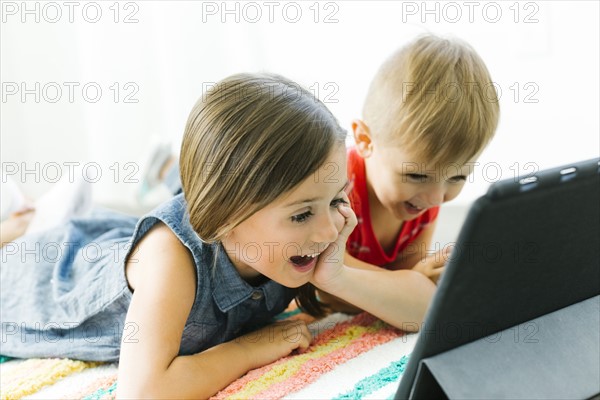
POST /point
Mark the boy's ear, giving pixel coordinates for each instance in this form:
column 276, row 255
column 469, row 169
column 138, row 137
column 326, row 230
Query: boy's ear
column 362, row 138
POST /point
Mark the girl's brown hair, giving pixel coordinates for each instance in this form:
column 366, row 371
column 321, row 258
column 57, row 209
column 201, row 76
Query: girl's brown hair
column 248, row 140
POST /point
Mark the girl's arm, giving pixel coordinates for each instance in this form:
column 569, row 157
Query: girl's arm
column 164, row 286
column 412, row 263
column 398, row 297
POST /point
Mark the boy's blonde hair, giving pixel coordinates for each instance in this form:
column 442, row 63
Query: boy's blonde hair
column 435, row 98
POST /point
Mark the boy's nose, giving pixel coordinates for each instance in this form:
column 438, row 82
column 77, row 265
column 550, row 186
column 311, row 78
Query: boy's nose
column 325, row 231
column 435, row 197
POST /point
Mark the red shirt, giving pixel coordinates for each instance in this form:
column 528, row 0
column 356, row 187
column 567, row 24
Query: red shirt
column 362, row 243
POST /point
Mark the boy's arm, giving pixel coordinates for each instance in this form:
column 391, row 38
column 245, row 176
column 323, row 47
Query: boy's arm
column 417, row 250
column 149, row 366
column 417, row 256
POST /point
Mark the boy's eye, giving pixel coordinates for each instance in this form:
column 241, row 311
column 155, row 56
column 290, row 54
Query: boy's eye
column 457, row 179
column 302, row 217
column 417, row 177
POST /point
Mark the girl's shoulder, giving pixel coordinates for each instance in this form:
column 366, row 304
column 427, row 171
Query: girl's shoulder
column 159, row 243
column 172, row 213
column 163, row 234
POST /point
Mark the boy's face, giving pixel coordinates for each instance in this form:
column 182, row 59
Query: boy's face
column 279, row 240
column 406, row 185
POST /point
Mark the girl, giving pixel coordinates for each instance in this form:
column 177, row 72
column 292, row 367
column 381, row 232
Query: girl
column 262, row 215
column 183, row 298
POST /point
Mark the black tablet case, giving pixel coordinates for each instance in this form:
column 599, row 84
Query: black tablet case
column 528, row 248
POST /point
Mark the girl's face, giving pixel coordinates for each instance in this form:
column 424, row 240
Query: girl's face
column 282, row 241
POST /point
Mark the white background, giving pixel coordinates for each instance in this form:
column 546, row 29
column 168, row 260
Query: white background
column 543, row 56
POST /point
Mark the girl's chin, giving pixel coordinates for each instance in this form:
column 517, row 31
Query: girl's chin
column 294, row 283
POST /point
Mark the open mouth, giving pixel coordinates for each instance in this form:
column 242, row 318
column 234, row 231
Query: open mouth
column 412, row 209
column 304, row 263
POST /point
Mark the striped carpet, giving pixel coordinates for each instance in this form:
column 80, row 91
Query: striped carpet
column 356, row 357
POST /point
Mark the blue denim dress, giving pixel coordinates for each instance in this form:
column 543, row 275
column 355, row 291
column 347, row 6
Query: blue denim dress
column 64, row 293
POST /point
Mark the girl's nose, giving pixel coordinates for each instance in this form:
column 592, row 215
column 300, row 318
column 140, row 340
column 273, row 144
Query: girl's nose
column 325, row 229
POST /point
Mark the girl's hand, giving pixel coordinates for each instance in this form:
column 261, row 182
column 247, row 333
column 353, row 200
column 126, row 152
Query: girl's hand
column 275, row 341
column 433, row 265
column 331, row 262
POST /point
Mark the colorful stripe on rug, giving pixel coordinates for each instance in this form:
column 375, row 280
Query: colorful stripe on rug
column 331, row 348
column 355, row 352
column 32, row 375
column 372, row 383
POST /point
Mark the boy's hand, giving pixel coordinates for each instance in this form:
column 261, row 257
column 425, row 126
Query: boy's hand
column 331, row 261
column 433, row 265
column 275, row 341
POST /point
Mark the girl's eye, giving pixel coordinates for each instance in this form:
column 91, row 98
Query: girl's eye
column 417, row 177
column 337, row 202
column 302, row 217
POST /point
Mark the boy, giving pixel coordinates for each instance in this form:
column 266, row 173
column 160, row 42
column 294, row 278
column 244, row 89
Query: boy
column 427, row 117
